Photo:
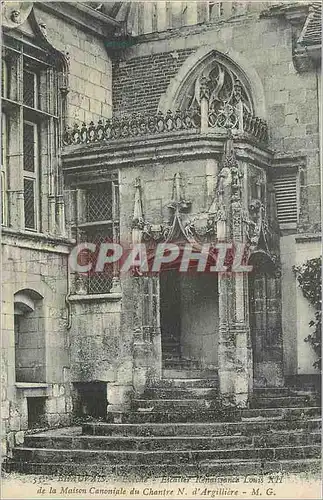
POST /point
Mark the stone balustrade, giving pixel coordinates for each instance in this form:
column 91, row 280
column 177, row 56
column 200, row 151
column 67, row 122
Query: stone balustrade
column 138, row 125
column 255, row 126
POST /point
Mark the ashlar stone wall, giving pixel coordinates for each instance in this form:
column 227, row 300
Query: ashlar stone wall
column 33, row 266
column 90, row 69
column 262, row 47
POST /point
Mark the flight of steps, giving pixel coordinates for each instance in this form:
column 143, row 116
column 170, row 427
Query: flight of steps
column 175, row 429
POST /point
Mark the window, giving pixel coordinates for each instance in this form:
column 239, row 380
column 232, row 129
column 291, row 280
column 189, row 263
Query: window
column 101, row 224
column 4, row 178
column 229, row 103
column 30, row 172
column 286, row 198
column 30, row 88
column 100, row 203
column 29, row 134
column 215, row 10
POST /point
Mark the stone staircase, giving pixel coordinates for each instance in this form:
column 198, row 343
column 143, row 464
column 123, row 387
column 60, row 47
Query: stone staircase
column 177, row 428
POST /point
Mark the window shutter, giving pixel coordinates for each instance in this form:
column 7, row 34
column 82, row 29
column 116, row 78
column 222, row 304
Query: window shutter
column 286, row 198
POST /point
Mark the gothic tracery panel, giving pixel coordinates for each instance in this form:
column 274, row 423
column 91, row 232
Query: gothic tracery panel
column 226, row 94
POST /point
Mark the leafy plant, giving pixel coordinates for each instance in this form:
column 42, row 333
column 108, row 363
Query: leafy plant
column 309, row 279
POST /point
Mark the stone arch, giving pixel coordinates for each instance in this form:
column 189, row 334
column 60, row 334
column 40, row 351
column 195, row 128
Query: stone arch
column 25, row 300
column 195, row 64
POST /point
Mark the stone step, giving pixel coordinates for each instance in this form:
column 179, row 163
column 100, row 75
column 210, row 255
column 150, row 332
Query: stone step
column 271, row 391
column 172, row 404
column 276, row 439
column 188, row 383
column 201, row 429
column 198, row 388
column 286, row 413
column 39, row 455
column 172, row 373
column 144, row 472
column 209, row 403
column 284, row 401
column 148, row 415
column 181, row 393
column 194, row 413
column 174, row 443
column 133, row 443
column 172, row 363
column 281, row 391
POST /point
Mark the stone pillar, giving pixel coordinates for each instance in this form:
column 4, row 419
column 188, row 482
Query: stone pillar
column 146, row 332
column 16, row 181
column 15, row 146
column 61, row 215
column 204, row 98
column 235, row 359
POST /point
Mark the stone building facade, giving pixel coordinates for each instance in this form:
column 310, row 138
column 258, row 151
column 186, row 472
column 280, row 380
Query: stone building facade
column 154, row 122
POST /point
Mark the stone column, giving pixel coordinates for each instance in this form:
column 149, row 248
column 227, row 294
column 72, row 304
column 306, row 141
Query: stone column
column 61, row 215
column 146, row 332
column 204, row 98
column 16, row 180
column 235, row 360
column 235, row 356
column 15, row 146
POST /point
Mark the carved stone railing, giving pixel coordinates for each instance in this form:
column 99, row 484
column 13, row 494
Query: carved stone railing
column 255, row 126
column 138, row 125
column 135, row 125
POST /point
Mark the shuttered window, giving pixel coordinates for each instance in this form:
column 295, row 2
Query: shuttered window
column 286, row 198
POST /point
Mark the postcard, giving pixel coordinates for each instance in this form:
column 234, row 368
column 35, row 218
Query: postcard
column 161, row 250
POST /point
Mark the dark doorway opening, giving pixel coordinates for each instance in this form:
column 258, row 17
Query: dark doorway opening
column 91, row 399
column 189, row 319
column 36, row 413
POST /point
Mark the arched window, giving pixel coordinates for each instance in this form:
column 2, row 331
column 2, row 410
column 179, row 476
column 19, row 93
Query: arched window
column 224, row 87
column 30, row 359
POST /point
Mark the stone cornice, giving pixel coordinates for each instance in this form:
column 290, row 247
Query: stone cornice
column 294, row 12
column 106, row 297
column 84, row 17
column 306, row 58
column 36, row 241
column 288, row 161
column 178, row 146
column 306, row 237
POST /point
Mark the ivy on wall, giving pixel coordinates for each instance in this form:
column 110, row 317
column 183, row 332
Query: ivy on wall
column 309, row 280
